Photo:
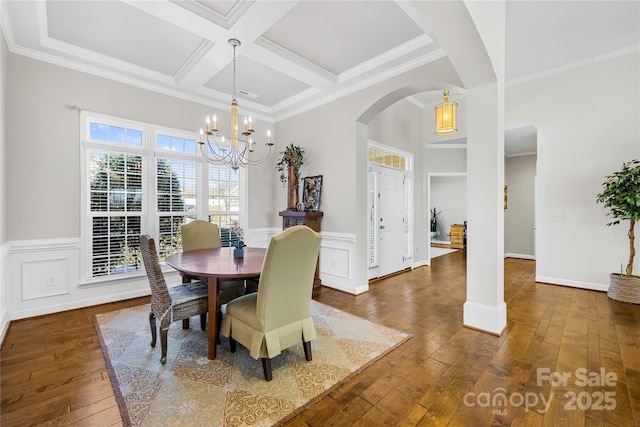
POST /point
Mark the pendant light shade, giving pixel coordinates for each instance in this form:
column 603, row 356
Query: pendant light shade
column 446, row 116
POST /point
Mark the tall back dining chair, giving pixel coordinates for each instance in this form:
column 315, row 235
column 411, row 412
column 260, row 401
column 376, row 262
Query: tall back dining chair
column 170, row 303
column 279, row 314
column 201, row 234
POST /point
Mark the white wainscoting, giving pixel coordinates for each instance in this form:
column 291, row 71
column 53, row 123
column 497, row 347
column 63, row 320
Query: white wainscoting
column 336, row 262
column 5, row 315
column 336, row 257
column 43, row 276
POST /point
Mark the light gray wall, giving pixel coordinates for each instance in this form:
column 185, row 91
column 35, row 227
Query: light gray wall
column 587, row 126
column 328, row 134
column 519, row 223
column 399, row 126
column 3, row 132
column 43, row 133
column 4, row 271
column 449, row 195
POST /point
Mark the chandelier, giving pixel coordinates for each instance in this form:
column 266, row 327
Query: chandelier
column 446, row 116
column 236, row 151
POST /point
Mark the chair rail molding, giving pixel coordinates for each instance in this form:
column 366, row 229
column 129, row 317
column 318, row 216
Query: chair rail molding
column 46, row 278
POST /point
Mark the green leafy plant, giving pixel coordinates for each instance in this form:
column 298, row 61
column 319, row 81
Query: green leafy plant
column 621, row 194
column 434, row 220
column 295, row 155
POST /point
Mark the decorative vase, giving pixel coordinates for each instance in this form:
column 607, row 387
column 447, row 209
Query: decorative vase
column 238, row 252
column 624, row 288
column 292, row 187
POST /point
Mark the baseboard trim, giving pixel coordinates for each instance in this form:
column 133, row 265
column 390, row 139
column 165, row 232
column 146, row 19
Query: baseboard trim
column 519, row 256
column 572, row 283
column 485, row 318
column 81, row 303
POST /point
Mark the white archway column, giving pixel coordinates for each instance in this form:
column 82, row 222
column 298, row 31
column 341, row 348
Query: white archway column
column 485, row 308
column 473, row 36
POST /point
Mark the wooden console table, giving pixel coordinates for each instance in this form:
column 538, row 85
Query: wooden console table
column 312, row 220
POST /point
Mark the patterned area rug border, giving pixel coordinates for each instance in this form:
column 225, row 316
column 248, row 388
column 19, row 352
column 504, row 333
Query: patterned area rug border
column 339, row 354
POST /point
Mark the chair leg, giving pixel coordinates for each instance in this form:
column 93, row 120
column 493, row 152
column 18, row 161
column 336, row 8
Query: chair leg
column 152, row 323
column 307, row 350
column 266, row 367
column 203, row 321
column 219, row 325
column 163, row 344
column 232, row 345
column 185, row 323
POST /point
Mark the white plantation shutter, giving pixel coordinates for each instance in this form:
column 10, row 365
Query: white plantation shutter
column 226, row 194
column 176, row 201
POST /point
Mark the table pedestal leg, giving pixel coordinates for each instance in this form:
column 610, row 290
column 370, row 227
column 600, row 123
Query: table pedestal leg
column 213, row 317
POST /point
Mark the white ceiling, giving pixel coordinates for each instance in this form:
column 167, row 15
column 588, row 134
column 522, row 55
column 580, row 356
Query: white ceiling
column 295, row 55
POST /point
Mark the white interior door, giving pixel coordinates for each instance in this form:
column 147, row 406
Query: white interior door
column 391, row 221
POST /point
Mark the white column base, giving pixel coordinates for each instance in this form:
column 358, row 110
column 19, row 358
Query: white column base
column 485, row 318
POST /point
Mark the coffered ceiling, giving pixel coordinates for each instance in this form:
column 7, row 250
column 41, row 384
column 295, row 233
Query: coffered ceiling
column 294, row 54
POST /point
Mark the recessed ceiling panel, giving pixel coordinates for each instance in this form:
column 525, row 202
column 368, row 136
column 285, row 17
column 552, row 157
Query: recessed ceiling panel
column 264, row 85
column 221, row 7
column 338, row 35
column 117, row 30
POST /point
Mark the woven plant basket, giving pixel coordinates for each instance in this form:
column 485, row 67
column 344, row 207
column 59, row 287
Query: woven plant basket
column 624, row 288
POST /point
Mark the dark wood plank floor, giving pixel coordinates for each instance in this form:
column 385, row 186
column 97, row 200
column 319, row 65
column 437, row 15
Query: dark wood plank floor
column 53, row 371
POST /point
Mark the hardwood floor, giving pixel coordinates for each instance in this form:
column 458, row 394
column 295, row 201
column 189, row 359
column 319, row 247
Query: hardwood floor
column 53, row 371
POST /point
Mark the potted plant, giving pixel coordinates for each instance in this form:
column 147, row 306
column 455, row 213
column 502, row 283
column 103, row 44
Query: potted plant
column 292, row 159
column 433, row 222
column 621, row 194
column 238, row 241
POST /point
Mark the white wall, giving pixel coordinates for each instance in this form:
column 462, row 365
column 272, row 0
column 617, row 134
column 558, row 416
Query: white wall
column 449, row 195
column 587, row 122
column 519, row 226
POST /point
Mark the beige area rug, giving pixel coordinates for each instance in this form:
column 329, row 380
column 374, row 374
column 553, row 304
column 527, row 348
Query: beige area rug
column 231, row 391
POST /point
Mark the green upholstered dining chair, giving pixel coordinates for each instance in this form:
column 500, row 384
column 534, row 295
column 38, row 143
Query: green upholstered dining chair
column 279, row 314
column 201, row 234
column 170, row 303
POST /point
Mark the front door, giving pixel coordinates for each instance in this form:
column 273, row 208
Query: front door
column 391, row 221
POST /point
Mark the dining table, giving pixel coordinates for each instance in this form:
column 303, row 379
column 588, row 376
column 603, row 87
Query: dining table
column 212, row 265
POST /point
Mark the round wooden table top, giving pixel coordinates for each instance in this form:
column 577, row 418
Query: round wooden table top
column 218, row 262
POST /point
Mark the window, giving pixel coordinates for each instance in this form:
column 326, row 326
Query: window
column 139, row 178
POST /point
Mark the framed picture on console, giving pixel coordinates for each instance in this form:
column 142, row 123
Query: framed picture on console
column 311, row 192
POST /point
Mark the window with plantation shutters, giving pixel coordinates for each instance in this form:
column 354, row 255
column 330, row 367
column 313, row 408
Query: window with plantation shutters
column 115, row 199
column 226, row 196
column 142, row 178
